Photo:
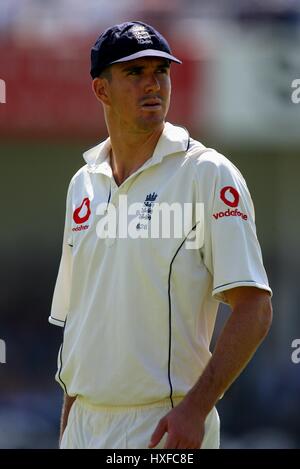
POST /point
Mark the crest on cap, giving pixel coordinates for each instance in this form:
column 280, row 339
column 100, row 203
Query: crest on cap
column 141, row 34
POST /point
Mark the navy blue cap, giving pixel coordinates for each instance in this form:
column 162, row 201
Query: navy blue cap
column 128, row 41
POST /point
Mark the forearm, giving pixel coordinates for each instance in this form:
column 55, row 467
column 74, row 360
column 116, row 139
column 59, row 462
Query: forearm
column 241, row 336
column 67, row 404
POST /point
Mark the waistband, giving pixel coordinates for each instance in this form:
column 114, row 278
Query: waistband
column 115, row 409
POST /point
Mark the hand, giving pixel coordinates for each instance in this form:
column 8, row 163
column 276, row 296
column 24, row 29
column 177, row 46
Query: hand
column 184, row 425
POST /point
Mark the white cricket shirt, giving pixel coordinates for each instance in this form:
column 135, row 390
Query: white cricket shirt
column 138, row 314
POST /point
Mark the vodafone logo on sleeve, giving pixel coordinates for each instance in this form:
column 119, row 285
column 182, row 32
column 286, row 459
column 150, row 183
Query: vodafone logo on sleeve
column 230, row 196
column 82, row 214
column 230, row 213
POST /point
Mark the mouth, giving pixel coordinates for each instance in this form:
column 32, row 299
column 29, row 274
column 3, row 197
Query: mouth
column 151, row 104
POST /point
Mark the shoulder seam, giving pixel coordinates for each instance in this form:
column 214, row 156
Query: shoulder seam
column 80, row 170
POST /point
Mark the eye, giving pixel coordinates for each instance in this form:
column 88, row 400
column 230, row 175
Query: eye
column 134, row 71
column 163, row 70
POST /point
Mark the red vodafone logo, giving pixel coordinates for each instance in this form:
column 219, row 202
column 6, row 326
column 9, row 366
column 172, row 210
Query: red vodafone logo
column 83, row 212
column 230, row 196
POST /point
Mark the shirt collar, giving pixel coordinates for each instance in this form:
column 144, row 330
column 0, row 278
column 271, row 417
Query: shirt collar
column 97, row 158
column 173, row 139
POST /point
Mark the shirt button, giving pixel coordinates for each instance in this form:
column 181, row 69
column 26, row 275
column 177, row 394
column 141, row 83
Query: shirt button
column 109, row 242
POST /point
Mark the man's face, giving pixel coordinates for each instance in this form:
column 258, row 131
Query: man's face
column 139, row 93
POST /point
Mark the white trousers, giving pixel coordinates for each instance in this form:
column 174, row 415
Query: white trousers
column 94, row 427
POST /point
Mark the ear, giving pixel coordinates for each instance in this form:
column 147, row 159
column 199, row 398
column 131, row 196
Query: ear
column 100, row 89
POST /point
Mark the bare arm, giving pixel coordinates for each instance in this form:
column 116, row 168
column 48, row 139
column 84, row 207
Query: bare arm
column 67, row 404
column 245, row 329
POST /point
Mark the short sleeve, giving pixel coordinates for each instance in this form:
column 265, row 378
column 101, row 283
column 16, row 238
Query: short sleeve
column 62, row 290
column 231, row 249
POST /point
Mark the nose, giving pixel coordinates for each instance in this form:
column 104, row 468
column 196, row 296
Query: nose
column 152, row 84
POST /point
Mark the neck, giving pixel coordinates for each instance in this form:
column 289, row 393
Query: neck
column 130, row 150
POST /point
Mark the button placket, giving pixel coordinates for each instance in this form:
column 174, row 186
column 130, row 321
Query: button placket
column 115, row 194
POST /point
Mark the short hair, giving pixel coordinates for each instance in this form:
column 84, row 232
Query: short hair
column 106, row 73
